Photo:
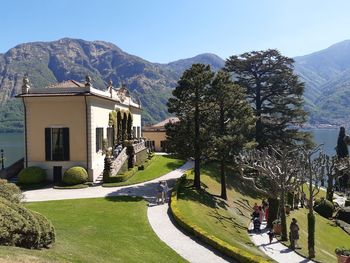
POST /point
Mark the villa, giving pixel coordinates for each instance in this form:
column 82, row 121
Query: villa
column 71, row 124
column 155, row 135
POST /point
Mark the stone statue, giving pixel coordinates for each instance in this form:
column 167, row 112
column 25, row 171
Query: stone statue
column 25, row 84
column 88, row 81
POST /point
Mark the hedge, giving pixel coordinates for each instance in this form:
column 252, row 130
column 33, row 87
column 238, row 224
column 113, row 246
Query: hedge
column 122, row 177
column 32, row 175
column 75, row 175
column 324, row 207
column 23, row 227
column 225, row 248
column 10, row 192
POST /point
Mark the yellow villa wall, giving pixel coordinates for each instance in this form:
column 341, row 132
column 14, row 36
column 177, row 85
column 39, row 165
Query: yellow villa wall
column 157, row 137
column 45, row 112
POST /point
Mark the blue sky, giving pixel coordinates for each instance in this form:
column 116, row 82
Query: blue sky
column 166, row 30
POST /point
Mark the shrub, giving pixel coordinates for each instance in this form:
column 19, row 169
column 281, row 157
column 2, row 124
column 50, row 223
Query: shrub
column 75, row 175
column 141, row 167
column 342, row 251
column 325, row 208
column 23, row 227
column 32, row 175
column 10, row 191
column 27, row 233
column 47, row 231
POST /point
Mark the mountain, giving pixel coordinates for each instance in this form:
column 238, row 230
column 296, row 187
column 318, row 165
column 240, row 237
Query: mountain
column 49, row 62
column 326, row 74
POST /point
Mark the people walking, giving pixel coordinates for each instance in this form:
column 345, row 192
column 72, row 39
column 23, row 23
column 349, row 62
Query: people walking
column 294, row 234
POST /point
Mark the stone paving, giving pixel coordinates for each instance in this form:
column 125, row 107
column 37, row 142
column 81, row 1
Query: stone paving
column 276, row 250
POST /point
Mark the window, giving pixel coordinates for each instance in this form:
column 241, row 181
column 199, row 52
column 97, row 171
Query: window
column 110, row 136
column 99, row 139
column 57, row 144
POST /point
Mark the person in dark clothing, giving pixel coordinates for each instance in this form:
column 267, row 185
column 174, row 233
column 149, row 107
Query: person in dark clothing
column 294, row 233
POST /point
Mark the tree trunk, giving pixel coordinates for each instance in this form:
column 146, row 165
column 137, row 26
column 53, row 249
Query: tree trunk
column 258, row 123
column 284, row 235
column 273, row 211
column 311, row 218
column 223, row 180
column 223, row 160
column 197, row 155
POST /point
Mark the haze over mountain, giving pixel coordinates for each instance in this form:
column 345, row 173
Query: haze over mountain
column 326, row 74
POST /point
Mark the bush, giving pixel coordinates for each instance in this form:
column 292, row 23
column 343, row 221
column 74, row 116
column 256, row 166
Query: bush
column 10, row 192
column 325, row 208
column 47, row 231
column 75, row 175
column 32, row 175
column 342, row 251
column 141, row 167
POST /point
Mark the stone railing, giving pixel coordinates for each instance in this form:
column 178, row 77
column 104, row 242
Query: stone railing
column 119, row 161
column 138, row 147
column 12, row 170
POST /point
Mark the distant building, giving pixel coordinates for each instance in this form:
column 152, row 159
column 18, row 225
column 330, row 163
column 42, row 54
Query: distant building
column 155, row 134
column 69, row 123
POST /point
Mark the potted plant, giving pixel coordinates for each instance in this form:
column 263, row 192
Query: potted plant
column 288, row 207
column 343, row 254
column 277, row 227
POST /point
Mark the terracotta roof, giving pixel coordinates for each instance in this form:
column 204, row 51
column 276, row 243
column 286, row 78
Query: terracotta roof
column 67, row 84
column 166, row 121
column 160, row 126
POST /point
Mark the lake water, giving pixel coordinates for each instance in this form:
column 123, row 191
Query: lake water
column 12, row 143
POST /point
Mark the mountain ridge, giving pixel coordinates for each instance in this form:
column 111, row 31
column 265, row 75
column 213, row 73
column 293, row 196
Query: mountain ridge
column 326, row 74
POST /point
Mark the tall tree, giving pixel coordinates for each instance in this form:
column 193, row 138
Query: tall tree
column 275, row 93
column 189, row 104
column 230, row 122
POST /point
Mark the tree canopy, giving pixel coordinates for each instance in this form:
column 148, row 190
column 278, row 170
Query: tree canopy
column 275, row 94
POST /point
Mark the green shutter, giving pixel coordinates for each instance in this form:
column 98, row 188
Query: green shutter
column 65, row 144
column 48, row 144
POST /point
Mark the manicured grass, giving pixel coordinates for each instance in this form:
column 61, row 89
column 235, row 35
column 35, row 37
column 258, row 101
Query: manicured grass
column 160, row 165
column 225, row 220
column 96, row 230
column 327, row 236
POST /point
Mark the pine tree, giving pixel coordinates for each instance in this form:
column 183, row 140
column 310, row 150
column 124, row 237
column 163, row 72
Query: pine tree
column 275, row 93
column 189, row 104
column 230, row 119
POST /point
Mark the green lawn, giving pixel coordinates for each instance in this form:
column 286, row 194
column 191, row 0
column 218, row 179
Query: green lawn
column 327, row 236
column 160, row 165
column 96, row 230
column 225, row 220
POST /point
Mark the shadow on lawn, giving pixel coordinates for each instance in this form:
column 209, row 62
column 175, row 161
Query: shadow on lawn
column 188, row 192
column 234, row 182
column 134, row 193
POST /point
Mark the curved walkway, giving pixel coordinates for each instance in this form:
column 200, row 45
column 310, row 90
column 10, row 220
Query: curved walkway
column 276, row 250
column 158, row 216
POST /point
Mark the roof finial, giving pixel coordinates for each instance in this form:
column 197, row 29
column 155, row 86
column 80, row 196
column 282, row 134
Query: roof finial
column 88, row 81
column 25, row 84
